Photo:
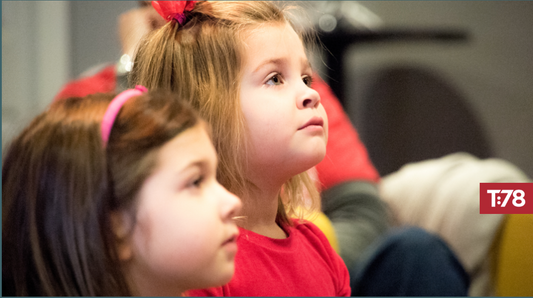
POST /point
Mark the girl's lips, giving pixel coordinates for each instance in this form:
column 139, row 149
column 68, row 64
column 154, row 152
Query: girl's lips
column 230, row 245
column 232, row 239
column 317, row 121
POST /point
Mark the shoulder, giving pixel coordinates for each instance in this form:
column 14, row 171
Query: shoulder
column 317, row 245
column 306, row 225
column 311, row 233
column 312, row 239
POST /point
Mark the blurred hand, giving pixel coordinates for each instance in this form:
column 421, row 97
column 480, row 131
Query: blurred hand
column 135, row 23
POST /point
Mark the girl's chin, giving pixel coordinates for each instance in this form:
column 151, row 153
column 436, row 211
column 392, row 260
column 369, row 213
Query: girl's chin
column 305, row 164
column 317, row 156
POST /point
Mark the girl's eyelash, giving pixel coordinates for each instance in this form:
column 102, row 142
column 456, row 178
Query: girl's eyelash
column 275, row 75
column 197, row 182
column 309, row 79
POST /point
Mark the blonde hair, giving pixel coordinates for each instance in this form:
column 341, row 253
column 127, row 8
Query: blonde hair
column 201, row 61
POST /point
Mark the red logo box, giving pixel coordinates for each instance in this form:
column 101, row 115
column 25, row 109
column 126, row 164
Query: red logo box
column 506, row 198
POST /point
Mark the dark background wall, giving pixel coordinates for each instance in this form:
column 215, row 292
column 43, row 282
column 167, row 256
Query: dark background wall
column 492, row 70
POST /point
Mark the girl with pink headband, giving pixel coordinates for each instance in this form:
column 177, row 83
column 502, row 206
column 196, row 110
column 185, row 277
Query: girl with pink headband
column 119, row 197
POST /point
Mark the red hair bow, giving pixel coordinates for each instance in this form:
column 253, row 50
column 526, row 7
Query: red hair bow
column 173, row 9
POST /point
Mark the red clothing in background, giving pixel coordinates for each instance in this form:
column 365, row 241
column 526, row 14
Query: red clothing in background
column 103, row 81
column 346, row 156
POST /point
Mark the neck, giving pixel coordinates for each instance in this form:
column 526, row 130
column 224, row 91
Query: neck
column 260, row 209
column 143, row 286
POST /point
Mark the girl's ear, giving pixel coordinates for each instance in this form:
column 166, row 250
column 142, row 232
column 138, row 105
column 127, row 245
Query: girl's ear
column 122, row 228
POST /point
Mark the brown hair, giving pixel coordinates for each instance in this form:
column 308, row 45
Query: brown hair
column 60, row 186
column 202, row 61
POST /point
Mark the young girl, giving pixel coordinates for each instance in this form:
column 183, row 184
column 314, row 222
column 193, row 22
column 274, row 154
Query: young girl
column 244, row 66
column 115, row 198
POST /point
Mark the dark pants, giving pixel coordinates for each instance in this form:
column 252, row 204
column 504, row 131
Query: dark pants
column 409, row 262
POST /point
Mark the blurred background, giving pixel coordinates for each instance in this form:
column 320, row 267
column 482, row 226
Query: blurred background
column 419, row 79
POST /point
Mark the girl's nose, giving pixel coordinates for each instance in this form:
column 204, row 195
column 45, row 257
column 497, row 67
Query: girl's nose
column 308, row 99
column 230, row 203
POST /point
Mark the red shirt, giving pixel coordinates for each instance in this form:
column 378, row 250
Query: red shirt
column 303, row 264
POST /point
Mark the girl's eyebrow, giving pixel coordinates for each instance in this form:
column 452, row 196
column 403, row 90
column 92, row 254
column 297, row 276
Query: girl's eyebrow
column 274, row 61
column 281, row 62
column 197, row 165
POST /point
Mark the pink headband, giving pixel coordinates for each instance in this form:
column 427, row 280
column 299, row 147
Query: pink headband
column 114, row 107
column 173, row 9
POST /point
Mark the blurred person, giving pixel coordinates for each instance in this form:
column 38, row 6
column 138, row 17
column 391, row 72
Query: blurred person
column 446, row 202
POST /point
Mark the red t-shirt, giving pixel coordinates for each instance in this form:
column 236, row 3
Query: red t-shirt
column 303, row 264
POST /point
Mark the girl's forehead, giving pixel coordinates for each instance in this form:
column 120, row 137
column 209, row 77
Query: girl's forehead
column 268, row 33
column 261, row 28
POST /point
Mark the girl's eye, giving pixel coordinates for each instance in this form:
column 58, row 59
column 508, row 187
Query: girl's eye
column 308, row 80
column 197, row 182
column 274, row 80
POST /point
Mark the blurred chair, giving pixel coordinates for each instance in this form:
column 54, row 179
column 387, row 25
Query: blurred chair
column 514, row 263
